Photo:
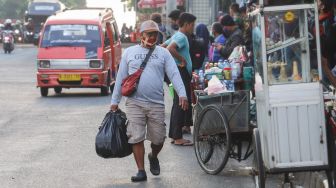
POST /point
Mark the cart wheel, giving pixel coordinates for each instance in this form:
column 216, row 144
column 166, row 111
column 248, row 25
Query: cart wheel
column 331, row 172
column 258, row 163
column 212, row 139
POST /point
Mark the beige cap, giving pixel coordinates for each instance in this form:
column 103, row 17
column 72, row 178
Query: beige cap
column 149, row 25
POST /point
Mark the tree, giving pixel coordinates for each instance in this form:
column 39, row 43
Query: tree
column 12, row 8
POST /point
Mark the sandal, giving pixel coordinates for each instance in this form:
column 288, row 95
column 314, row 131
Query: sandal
column 184, row 143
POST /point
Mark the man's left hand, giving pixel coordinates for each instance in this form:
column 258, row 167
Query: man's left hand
column 183, row 102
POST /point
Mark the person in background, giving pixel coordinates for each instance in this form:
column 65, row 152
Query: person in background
column 235, row 14
column 18, row 25
column 178, row 46
column 247, row 28
column 233, row 35
column 156, row 17
column 327, row 31
column 146, row 105
column 8, row 25
column 174, row 26
column 124, row 29
column 30, row 25
column 203, row 40
column 220, row 14
column 217, row 32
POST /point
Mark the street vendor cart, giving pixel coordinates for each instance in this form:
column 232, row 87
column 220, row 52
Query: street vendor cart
column 292, row 135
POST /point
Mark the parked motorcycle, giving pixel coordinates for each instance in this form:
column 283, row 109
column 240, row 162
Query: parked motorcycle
column 8, row 41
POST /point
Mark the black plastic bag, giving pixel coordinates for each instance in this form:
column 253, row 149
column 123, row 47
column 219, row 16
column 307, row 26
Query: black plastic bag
column 111, row 139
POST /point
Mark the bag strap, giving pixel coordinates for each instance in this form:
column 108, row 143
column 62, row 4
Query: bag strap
column 143, row 64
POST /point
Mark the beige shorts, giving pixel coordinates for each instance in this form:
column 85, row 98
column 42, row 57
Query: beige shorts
column 140, row 114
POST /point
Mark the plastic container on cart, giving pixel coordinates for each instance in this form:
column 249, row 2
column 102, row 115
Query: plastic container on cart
column 227, row 70
column 229, row 84
column 235, row 105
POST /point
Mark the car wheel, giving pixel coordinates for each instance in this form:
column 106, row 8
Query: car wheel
column 44, row 91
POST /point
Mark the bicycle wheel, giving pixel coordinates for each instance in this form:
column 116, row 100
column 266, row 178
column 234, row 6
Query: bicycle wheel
column 258, row 163
column 331, row 172
column 212, row 139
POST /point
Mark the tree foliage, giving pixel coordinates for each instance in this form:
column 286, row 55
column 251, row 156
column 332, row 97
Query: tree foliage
column 74, row 3
column 12, row 8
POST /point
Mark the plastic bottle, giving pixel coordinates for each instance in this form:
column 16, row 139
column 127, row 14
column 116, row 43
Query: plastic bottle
column 234, row 71
column 227, row 70
column 221, row 63
column 201, row 79
column 229, row 84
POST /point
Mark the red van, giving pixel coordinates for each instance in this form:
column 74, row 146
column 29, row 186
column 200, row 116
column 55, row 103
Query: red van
column 79, row 49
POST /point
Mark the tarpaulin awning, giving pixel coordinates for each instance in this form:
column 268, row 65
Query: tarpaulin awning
column 151, row 3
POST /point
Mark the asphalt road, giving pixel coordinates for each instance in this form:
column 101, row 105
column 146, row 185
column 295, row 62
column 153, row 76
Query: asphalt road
column 49, row 141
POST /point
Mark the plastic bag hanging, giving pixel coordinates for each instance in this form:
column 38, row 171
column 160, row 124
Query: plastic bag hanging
column 111, row 139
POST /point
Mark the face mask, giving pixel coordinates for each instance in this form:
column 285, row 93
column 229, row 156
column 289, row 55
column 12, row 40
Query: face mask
column 175, row 27
column 148, row 42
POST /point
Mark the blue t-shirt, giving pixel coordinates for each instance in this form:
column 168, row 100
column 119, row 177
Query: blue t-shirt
column 182, row 44
column 220, row 39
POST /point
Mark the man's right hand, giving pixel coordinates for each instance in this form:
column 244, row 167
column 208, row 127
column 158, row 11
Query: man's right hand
column 183, row 63
column 114, row 107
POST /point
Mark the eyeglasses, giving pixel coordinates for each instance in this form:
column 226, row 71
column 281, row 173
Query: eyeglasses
column 152, row 34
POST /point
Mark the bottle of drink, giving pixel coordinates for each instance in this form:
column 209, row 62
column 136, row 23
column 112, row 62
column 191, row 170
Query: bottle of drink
column 201, row 79
column 227, row 70
column 229, row 84
column 234, row 71
column 221, row 63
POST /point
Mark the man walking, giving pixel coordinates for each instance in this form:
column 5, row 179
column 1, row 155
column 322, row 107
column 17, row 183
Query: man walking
column 146, row 105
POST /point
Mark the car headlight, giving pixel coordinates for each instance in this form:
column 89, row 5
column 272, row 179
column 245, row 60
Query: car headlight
column 95, row 64
column 44, row 64
column 17, row 31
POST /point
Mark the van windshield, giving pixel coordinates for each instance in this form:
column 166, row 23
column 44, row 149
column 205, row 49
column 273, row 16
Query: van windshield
column 71, row 35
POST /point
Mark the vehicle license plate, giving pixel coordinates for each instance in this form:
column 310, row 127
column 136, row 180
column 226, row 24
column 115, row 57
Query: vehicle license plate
column 69, row 77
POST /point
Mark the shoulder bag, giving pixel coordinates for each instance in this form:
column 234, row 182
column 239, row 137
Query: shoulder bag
column 130, row 83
